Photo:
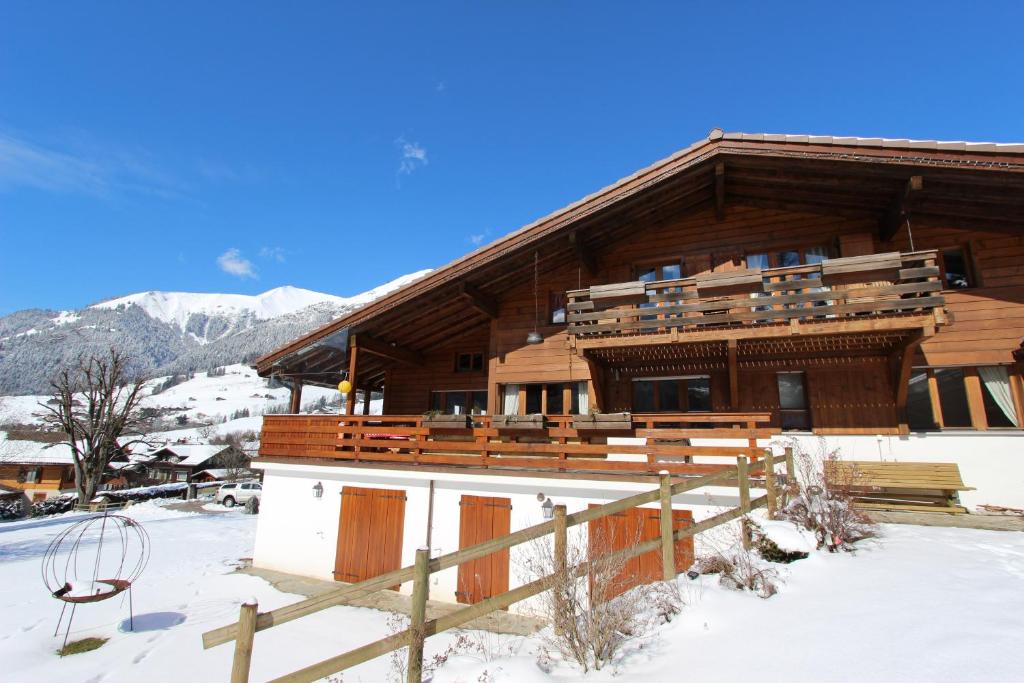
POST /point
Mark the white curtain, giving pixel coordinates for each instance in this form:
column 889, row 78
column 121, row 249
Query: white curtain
column 511, row 403
column 582, row 398
column 997, row 382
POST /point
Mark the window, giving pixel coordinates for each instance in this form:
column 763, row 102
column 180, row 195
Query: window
column 919, row 403
column 664, row 271
column 785, row 258
column 996, row 396
column 956, row 272
column 546, row 399
column 793, row 413
column 685, row 394
column 556, row 307
column 180, row 475
column 469, row 362
column 953, row 397
column 32, row 475
column 459, row 402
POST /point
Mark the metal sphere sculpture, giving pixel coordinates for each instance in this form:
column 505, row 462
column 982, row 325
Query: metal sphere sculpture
column 94, row 560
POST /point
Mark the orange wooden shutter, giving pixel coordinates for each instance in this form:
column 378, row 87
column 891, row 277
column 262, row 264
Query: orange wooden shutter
column 481, row 519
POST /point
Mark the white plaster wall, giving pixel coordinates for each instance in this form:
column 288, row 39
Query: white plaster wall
column 992, row 462
column 297, row 533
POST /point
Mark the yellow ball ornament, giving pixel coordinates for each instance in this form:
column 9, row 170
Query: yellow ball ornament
column 344, row 386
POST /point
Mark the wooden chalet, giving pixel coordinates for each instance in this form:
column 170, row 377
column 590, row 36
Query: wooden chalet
column 744, row 287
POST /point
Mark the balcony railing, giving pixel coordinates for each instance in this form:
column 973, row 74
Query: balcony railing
column 553, row 443
column 892, row 284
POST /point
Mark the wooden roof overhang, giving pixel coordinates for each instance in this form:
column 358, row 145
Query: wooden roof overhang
column 954, row 184
column 681, row 357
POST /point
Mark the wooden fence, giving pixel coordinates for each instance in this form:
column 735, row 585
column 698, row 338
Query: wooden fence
column 251, row 620
column 838, row 289
column 558, row 442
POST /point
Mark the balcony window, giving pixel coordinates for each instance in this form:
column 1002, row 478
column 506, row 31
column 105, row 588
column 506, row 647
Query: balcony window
column 996, row 396
column 469, row 362
column 956, row 272
column 556, row 306
column 547, row 398
column 793, row 412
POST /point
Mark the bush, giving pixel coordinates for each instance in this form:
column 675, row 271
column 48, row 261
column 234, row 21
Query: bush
column 252, row 506
column 821, row 506
column 12, row 510
column 53, row 506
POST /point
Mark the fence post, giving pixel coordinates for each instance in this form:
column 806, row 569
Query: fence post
column 243, row 643
column 668, row 546
column 743, row 480
column 418, row 615
column 790, row 466
column 769, row 483
column 561, row 563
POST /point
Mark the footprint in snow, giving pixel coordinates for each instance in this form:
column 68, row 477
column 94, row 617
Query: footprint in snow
column 139, row 657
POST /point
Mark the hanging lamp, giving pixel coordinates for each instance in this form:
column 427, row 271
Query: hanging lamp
column 534, row 336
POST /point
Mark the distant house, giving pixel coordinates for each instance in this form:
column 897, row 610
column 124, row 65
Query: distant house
column 179, row 462
column 39, row 470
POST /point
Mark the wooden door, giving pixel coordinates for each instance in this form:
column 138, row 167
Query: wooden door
column 481, row 519
column 625, row 529
column 369, row 533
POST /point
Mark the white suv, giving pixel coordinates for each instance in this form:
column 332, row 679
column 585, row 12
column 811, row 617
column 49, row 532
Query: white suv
column 229, row 495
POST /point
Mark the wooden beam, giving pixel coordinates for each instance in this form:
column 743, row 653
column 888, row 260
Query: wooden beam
column 734, row 380
column 597, row 378
column 478, row 300
column 975, row 400
column 902, row 361
column 720, row 190
column 585, row 255
column 295, row 403
column 890, row 223
column 390, row 351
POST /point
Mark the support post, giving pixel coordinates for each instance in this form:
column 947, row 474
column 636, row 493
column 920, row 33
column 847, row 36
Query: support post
column 734, row 377
column 769, row 483
column 668, row 546
column 243, row 643
column 353, row 355
column 295, row 404
column 418, row 615
column 561, row 562
column 743, row 481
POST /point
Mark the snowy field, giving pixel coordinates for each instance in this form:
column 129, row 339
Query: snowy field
column 919, row 604
column 202, row 398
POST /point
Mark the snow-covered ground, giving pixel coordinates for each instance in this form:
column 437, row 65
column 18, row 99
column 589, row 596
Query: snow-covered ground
column 201, row 398
column 919, row 604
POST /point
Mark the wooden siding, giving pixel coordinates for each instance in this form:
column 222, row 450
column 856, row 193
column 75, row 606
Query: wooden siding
column 52, row 477
column 408, row 386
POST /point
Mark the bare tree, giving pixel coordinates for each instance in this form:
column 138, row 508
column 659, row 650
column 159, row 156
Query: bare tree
column 95, row 403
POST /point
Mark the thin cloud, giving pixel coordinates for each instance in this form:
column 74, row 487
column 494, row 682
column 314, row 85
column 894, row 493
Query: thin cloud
column 414, row 156
column 273, row 254
column 98, row 172
column 233, row 263
column 478, row 239
column 441, row 87
column 218, row 172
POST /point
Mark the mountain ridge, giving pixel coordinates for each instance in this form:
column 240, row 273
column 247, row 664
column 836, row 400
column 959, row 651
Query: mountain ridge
column 168, row 332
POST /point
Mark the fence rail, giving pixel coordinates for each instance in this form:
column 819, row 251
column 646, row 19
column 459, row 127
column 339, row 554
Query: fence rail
column 556, row 442
column 878, row 284
column 251, row 621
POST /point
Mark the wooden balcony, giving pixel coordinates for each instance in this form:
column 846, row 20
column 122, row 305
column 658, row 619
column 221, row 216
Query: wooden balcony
column 875, row 293
column 659, row 442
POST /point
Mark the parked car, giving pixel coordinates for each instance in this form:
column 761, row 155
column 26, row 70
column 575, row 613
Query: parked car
column 229, row 495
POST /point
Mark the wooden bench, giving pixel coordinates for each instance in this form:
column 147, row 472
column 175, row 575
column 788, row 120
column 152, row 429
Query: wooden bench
column 908, row 486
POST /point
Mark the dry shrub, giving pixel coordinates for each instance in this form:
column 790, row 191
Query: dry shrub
column 821, row 504
column 737, row 566
column 591, row 617
column 398, row 660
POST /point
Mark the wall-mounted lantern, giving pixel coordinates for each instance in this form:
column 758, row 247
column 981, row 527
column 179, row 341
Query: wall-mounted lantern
column 548, row 508
column 318, row 490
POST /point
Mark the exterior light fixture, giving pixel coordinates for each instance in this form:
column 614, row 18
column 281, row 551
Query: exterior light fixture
column 548, row 508
column 318, row 490
column 534, row 338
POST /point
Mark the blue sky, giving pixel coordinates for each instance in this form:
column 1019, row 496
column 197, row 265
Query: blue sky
column 240, row 147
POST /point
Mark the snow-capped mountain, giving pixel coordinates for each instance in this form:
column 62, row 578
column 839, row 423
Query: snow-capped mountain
column 167, row 332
